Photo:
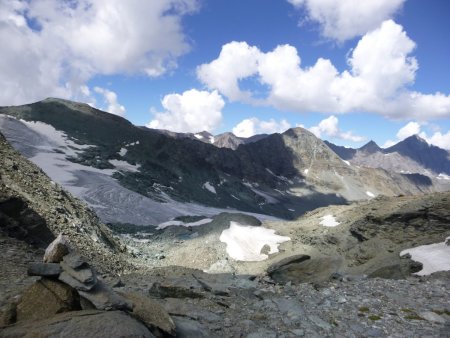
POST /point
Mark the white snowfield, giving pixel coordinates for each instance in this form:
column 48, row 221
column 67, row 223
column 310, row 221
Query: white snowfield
column 434, row 257
column 208, row 186
column 180, row 223
column 244, row 242
column 329, row 221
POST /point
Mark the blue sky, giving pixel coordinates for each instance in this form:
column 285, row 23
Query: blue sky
column 383, row 73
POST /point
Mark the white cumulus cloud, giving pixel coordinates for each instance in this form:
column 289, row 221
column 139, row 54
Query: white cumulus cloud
column 236, row 61
column 255, row 126
column 345, row 19
column 381, row 71
column 54, row 47
column 191, row 111
column 110, row 98
column 329, row 127
column 412, row 128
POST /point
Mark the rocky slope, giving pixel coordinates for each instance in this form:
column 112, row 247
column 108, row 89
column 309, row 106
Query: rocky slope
column 367, row 241
column 35, row 209
column 117, row 167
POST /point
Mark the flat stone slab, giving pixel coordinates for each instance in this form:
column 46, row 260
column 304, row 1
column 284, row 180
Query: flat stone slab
column 44, row 269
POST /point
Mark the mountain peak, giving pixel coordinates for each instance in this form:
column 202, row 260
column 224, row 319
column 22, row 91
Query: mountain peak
column 370, row 147
column 415, row 138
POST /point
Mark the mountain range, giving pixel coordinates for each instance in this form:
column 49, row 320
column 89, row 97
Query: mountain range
column 412, row 155
column 132, row 174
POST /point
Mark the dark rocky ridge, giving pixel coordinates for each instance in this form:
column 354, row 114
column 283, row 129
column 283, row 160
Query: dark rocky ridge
column 178, row 167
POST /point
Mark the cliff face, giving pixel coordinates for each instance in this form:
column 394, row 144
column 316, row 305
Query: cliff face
column 35, row 209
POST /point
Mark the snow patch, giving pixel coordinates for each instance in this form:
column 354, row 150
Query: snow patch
column 123, row 151
column 180, row 223
column 125, row 166
column 329, row 221
column 209, row 187
column 434, row 257
column 198, row 136
column 306, row 171
column 211, row 139
column 244, row 243
column 370, row 194
column 347, row 163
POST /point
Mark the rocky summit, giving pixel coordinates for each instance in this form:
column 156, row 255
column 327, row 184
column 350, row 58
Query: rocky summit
column 358, row 263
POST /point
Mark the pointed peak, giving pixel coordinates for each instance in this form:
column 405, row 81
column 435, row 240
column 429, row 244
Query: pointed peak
column 415, row 138
column 370, row 147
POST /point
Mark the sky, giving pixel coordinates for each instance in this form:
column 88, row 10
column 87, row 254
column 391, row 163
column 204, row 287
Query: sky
column 350, row 71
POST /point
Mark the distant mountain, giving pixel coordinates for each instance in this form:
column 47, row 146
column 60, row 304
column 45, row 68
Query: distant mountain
column 412, row 155
column 137, row 175
column 229, row 140
column 429, row 156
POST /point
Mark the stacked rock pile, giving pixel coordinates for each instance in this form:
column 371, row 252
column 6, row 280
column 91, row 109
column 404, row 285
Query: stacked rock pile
column 70, row 298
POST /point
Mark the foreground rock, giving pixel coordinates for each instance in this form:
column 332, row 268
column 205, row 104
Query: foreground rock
column 46, row 298
column 81, row 324
column 256, row 306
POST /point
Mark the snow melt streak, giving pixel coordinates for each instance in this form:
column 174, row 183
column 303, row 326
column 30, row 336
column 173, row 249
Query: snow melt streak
column 244, row 243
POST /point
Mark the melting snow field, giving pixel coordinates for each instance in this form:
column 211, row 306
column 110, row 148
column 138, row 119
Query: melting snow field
column 434, row 257
column 244, row 243
column 329, row 221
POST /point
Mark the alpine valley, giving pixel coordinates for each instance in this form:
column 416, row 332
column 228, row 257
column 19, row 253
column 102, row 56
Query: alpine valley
column 200, row 235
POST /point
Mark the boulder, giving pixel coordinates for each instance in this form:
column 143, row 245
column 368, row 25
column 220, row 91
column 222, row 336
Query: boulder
column 176, row 288
column 44, row 269
column 187, row 328
column 303, row 269
column 81, row 324
column 56, row 250
column 104, row 297
column 46, row 298
column 153, row 315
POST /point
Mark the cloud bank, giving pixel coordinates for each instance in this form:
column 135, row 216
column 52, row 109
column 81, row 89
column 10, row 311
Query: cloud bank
column 57, row 46
column 345, row 19
column 381, row 71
